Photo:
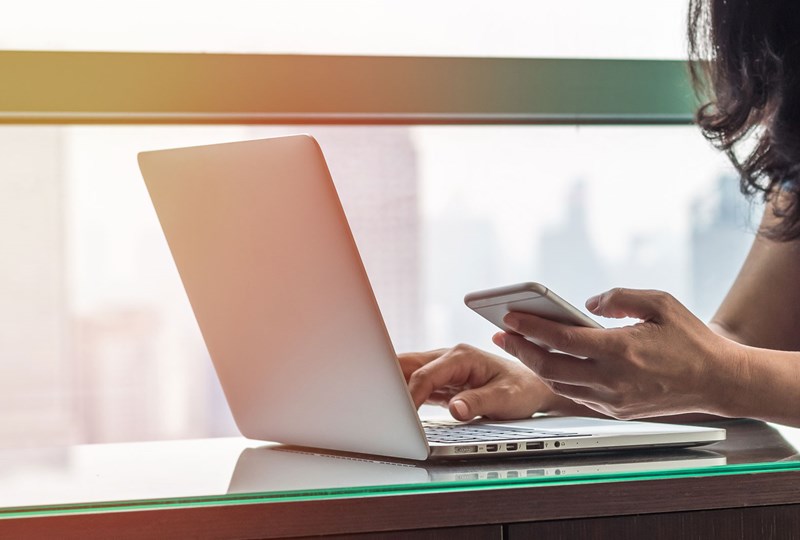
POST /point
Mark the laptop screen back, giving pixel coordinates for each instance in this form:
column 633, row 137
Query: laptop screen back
column 276, row 283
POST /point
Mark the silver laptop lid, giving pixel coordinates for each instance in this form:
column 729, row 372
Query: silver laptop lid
column 276, row 283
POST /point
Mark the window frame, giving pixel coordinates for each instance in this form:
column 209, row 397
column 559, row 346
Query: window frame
column 183, row 88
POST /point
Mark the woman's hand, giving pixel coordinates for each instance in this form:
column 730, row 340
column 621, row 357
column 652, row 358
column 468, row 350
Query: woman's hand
column 669, row 363
column 472, row 382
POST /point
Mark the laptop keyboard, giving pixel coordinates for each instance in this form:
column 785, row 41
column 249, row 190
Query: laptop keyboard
column 446, row 433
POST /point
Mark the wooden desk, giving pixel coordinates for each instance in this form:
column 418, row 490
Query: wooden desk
column 738, row 500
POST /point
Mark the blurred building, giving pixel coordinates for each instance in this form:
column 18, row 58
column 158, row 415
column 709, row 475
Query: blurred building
column 722, row 232
column 375, row 173
column 35, row 376
column 116, row 363
column 568, row 259
column 461, row 254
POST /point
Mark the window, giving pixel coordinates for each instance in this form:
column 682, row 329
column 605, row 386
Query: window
column 109, row 345
column 476, row 171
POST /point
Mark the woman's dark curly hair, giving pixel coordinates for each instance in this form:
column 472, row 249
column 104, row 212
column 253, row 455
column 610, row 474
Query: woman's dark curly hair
column 745, row 65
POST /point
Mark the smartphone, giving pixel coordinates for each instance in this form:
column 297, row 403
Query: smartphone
column 533, row 298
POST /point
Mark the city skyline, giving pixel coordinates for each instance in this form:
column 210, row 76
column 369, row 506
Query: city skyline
column 436, row 213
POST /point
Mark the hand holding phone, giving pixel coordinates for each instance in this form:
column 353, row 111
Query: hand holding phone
column 532, row 298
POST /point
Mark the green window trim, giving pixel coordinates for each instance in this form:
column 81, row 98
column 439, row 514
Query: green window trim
column 165, row 88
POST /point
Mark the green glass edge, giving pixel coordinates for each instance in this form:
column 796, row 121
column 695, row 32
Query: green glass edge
column 386, row 490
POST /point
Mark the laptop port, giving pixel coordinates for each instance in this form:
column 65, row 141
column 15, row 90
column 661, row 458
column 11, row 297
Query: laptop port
column 534, row 445
column 511, row 447
column 465, row 449
column 491, row 448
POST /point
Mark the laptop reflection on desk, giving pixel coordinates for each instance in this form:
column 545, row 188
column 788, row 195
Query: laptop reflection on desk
column 276, row 468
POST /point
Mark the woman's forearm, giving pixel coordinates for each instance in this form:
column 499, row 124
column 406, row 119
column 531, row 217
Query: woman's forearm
column 719, row 327
column 766, row 388
column 743, row 382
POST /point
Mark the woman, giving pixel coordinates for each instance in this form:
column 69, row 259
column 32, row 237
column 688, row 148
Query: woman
column 745, row 362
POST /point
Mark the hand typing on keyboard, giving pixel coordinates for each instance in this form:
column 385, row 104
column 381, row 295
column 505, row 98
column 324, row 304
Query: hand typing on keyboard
column 472, row 382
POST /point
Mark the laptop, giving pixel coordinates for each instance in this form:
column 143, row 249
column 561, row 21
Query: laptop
column 280, row 294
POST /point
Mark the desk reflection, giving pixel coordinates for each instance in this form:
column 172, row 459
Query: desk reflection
column 285, row 468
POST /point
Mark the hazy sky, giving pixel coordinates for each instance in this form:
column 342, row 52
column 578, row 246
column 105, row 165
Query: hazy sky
column 544, row 28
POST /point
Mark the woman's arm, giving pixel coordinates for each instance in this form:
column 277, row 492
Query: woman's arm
column 762, row 309
column 668, row 364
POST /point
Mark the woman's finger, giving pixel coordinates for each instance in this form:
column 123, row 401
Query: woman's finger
column 455, row 367
column 550, row 366
column 574, row 340
column 647, row 305
column 441, row 397
column 494, row 400
column 410, row 362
